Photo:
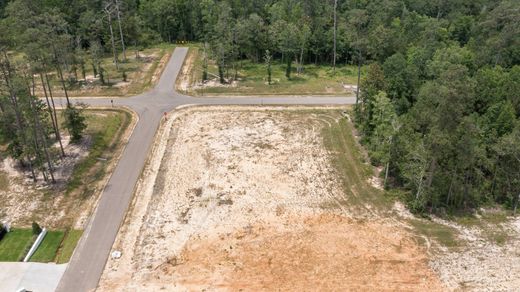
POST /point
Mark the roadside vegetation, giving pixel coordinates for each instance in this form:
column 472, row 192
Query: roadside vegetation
column 66, row 204
column 134, row 76
column 251, row 79
column 105, row 127
column 68, row 245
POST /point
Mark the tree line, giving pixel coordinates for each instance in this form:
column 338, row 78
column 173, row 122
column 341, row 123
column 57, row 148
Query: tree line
column 438, row 108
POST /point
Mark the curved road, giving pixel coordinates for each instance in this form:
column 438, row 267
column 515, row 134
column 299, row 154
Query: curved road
column 86, row 265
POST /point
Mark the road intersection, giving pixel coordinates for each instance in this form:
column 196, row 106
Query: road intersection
column 86, row 265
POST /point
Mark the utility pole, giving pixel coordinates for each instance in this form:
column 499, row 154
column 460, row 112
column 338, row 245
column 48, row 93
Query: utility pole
column 120, row 29
column 358, row 75
column 335, row 32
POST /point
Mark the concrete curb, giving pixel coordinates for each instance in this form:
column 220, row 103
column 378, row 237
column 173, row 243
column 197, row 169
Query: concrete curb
column 35, row 245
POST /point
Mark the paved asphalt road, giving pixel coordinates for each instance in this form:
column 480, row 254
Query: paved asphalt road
column 87, row 263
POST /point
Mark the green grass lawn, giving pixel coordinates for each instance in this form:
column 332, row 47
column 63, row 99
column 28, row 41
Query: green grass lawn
column 445, row 235
column 46, row 252
column 15, row 245
column 68, row 245
column 315, row 79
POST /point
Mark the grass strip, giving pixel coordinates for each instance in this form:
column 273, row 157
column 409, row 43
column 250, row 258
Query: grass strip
column 15, row 244
column 46, row 252
column 68, row 245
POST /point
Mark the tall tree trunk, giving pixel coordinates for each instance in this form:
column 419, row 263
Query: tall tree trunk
column 63, row 85
column 288, row 68
column 39, row 131
column 358, row 76
column 221, row 73
column 109, row 14
column 60, row 74
column 516, row 204
column 300, row 64
column 14, row 101
column 53, row 105
column 33, row 85
column 433, row 166
column 121, row 30
column 335, row 32
column 53, row 116
column 386, row 173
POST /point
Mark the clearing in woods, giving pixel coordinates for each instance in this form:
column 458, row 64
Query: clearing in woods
column 251, row 79
column 250, row 197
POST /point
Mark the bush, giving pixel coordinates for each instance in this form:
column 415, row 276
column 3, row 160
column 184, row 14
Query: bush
column 3, row 231
column 75, row 121
column 36, row 229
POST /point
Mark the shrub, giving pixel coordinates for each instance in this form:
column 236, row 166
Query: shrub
column 3, row 231
column 36, row 229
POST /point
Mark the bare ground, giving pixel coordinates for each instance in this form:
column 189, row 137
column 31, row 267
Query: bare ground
column 239, row 198
column 480, row 264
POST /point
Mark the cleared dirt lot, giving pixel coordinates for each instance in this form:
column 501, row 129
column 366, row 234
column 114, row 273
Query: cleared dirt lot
column 248, row 198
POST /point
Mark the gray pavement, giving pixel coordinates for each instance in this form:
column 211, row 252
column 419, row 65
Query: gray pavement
column 86, row 265
column 31, row 276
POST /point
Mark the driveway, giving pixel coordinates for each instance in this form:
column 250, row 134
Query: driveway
column 30, row 276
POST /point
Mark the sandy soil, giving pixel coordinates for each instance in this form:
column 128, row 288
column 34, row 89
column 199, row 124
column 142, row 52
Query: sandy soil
column 236, row 199
column 184, row 80
column 481, row 264
column 160, row 67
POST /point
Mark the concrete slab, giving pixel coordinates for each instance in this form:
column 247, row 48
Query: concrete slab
column 31, row 276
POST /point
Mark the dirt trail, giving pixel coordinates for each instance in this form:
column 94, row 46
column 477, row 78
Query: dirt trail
column 236, row 198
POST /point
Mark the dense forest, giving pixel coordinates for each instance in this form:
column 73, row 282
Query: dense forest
column 438, row 109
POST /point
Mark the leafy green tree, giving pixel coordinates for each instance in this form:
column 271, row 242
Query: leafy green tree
column 385, row 126
column 74, row 121
column 508, row 168
column 267, row 59
column 371, row 86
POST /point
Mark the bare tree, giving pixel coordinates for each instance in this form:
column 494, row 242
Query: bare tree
column 335, row 35
column 118, row 11
column 108, row 12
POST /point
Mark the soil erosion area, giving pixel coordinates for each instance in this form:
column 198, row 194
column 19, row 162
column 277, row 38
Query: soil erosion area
column 244, row 198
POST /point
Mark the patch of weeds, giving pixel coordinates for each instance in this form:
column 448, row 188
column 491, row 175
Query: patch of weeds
column 197, row 191
column 346, row 157
column 489, row 222
column 4, row 181
column 444, row 235
column 225, row 202
column 263, row 145
column 105, row 131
